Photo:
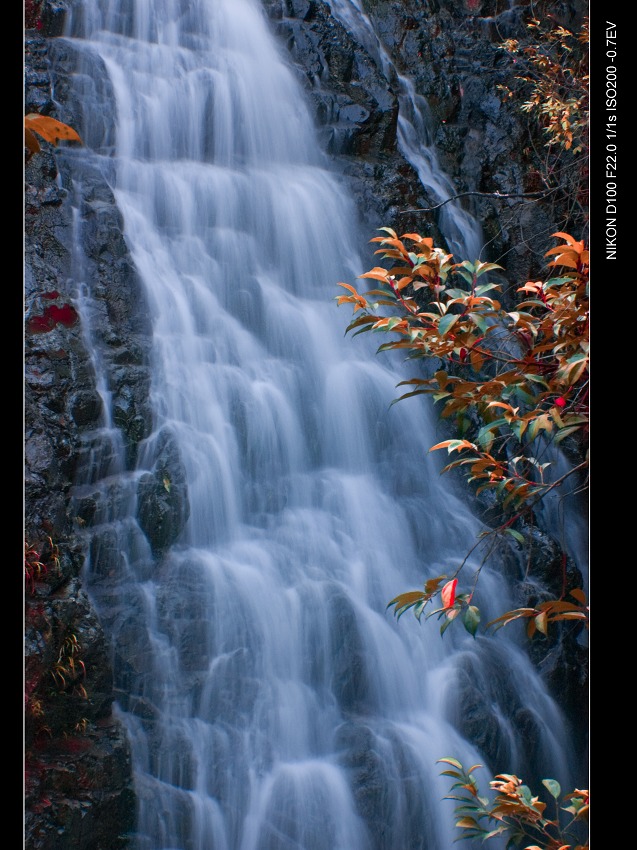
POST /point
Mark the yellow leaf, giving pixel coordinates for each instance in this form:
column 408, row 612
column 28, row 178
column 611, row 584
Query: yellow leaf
column 431, row 585
column 540, row 622
column 502, row 404
column 407, row 598
column 467, row 823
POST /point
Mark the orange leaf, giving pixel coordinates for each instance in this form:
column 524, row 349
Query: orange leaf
column 568, row 238
column 578, row 593
column 49, row 128
column 564, row 260
column 31, row 141
column 376, row 273
column 453, row 445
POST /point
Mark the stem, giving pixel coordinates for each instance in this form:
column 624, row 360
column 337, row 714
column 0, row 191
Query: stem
column 536, row 196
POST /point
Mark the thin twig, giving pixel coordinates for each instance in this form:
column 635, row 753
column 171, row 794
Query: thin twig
column 499, row 195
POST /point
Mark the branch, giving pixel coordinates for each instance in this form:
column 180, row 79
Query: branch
column 498, row 195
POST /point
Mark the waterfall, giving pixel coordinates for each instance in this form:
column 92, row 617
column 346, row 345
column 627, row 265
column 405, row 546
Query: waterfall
column 270, row 699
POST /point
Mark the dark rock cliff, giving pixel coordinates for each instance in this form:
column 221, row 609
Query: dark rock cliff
column 79, row 790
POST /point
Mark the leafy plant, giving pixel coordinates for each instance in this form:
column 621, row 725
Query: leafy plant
column 452, row 605
column 516, row 813
column 69, row 668
column 552, row 64
column 35, row 562
column 547, row 74
column 49, row 129
column 520, row 375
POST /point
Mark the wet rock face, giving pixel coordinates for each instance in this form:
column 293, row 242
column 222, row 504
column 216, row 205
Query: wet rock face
column 163, row 496
column 78, row 791
column 354, row 106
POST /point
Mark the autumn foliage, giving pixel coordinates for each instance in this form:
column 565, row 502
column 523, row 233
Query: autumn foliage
column 513, row 382
column 552, row 64
column 527, row 820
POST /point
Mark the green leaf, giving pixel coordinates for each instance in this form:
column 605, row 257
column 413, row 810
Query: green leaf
column 448, row 759
column 526, row 794
column 515, row 535
column 446, row 323
column 564, row 432
column 419, row 608
column 553, row 786
column 361, row 331
column 391, row 324
column 445, row 626
column 518, row 427
column 494, row 832
column 557, row 281
column 524, row 396
column 574, row 419
column 485, row 287
column 481, row 268
column 408, row 395
column 471, row 619
column 536, row 378
column 486, row 434
column 480, row 322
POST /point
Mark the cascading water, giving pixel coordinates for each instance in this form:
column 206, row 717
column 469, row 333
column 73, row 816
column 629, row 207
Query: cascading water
column 271, row 701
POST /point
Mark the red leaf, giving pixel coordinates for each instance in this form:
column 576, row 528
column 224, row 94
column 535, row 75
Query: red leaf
column 448, row 593
column 65, row 315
